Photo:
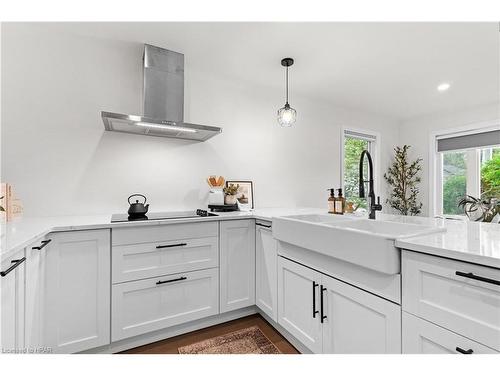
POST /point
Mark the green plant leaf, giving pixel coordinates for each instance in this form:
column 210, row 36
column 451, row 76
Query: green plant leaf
column 402, row 177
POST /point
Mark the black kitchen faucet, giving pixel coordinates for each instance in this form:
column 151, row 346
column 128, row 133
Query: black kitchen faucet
column 373, row 207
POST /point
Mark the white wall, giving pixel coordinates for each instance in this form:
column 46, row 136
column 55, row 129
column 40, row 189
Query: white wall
column 61, row 161
column 417, row 133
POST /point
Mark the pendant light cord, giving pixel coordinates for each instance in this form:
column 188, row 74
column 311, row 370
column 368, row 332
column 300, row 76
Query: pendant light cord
column 287, row 85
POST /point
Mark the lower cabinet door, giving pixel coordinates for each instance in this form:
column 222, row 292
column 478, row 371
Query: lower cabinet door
column 75, row 295
column 266, row 268
column 148, row 305
column 237, row 264
column 298, row 303
column 12, row 304
column 357, row 322
column 34, row 295
column 423, row 337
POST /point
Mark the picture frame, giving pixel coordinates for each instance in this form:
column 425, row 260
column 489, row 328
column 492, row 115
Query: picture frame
column 245, row 192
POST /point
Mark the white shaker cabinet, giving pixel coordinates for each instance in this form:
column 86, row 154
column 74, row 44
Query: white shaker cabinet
column 68, row 292
column 237, row 264
column 152, row 304
column 34, row 293
column 423, row 337
column 459, row 296
column 330, row 316
column 12, row 278
column 357, row 322
column 266, row 268
column 298, row 303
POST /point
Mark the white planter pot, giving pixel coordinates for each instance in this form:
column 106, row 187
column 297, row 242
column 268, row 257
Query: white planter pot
column 230, row 199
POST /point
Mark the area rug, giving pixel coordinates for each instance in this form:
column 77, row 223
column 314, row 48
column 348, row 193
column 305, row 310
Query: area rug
column 245, row 341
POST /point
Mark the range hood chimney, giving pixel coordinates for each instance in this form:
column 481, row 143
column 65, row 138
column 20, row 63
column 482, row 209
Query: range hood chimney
column 163, row 101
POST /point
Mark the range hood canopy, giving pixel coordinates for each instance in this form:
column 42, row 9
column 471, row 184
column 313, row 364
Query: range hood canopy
column 163, row 101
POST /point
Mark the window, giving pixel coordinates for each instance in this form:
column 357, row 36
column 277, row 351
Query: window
column 466, row 164
column 354, row 142
column 454, row 181
column 490, row 172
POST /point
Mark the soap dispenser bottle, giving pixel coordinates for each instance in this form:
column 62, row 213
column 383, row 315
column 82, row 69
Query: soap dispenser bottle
column 331, row 202
column 340, row 203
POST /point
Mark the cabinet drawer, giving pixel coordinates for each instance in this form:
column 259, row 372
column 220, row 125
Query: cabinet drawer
column 152, row 304
column 140, row 261
column 442, row 291
column 423, row 337
column 161, row 233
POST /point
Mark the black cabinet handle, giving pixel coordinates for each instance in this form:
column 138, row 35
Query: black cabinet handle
column 15, row 264
column 44, row 243
column 315, row 284
column 323, row 316
column 263, row 225
column 171, row 281
column 460, row 350
column 174, row 245
column 470, row 275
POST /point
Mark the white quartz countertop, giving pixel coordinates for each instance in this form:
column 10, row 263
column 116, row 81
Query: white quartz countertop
column 467, row 241
column 22, row 232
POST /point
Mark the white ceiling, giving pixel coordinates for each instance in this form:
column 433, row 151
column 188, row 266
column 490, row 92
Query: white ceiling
column 386, row 68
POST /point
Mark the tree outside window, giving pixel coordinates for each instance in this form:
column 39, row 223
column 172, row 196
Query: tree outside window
column 353, row 147
column 490, row 173
column 455, row 174
column 454, row 181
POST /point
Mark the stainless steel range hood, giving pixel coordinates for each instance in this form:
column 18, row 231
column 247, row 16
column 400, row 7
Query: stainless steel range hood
column 163, row 101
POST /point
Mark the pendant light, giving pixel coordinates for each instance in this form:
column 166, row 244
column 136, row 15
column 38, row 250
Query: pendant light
column 287, row 115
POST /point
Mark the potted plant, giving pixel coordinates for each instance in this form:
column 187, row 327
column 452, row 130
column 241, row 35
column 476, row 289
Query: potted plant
column 230, row 192
column 478, row 209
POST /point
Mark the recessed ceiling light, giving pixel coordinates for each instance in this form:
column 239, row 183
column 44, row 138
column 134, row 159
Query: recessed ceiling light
column 443, row 86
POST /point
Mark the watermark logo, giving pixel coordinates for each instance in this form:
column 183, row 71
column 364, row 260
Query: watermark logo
column 28, row 350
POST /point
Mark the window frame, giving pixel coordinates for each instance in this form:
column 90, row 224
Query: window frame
column 374, row 149
column 473, row 178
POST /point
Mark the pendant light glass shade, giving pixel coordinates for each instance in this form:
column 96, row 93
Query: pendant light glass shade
column 287, row 115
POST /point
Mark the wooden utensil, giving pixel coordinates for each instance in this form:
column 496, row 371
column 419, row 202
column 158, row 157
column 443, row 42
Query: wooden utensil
column 213, row 181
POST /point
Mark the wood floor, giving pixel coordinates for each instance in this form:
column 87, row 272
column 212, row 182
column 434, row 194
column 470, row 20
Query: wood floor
column 169, row 346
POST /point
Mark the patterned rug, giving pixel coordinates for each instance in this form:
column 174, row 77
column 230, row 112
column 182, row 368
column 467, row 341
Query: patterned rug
column 245, row 341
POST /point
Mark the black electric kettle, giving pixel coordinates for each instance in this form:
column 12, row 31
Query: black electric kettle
column 137, row 209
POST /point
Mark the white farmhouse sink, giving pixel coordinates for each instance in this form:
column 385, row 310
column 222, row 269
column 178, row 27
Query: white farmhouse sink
column 367, row 243
column 388, row 229
column 318, row 218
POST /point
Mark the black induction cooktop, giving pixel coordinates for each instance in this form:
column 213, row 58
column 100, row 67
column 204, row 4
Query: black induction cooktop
column 117, row 218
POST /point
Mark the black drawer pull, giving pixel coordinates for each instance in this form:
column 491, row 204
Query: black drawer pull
column 460, row 350
column 263, row 225
column 470, row 275
column 315, row 284
column 44, row 243
column 171, row 281
column 15, row 264
column 323, row 316
column 174, row 245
